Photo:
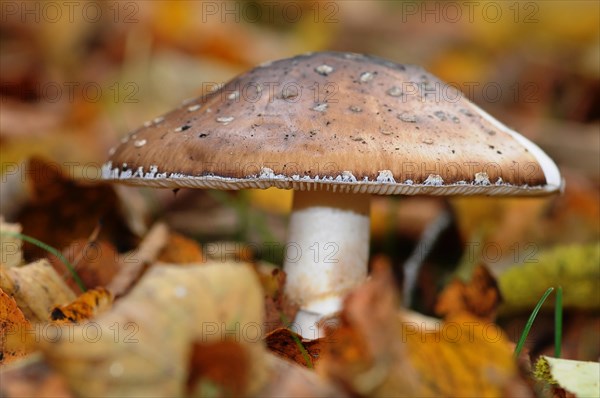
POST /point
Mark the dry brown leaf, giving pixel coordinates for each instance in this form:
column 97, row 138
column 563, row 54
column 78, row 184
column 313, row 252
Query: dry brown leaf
column 180, row 250
column 279, row 310
column 37, row 288
column 87, row 306
column 479, row 297
column 144, row 344
column 212, row 368
column 377, row 352
column 12, row 323
column 62, row 210
column 292, row 346
column 96, row 263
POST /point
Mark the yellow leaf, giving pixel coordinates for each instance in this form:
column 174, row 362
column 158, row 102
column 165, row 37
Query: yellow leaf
column 574, row 267
column 86, row 306
column 144, row 344
column 37, row 288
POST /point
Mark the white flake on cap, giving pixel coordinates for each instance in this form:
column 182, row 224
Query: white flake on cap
column 152, row 172
column 434, row 179
column 267, row 173
column 139, row 173
column 386, row 176
column 225, row 119
column 481, row 179
column 366, row 76
column 324, row 69
column 346, row 176
column 320, row 107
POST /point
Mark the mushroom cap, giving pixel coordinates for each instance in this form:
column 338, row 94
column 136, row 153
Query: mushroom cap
column 336, row 121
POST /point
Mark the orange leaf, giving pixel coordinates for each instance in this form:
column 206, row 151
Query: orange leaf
column 479, row 297
column 12, row 324
column 86, row 306
column 181, row 250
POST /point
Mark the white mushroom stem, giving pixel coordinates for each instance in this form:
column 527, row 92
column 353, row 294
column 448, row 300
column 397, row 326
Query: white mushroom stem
column 327, row 253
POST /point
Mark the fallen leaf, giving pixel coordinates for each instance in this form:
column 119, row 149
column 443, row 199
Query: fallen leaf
column 180, row 250
column 378, row 351
column 12, row 323
column 578, row 377
column 479, row 297
column 87, row 306
column 292, row 346
column 36, row 288
column 462, row 356
column 62, row 210
column 279, row 310
column 95, row 262
column 573, row 267
column 144, row 344
column 213, row 372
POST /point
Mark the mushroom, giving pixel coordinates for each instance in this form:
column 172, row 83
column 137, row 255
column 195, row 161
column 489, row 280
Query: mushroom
column 336, row 128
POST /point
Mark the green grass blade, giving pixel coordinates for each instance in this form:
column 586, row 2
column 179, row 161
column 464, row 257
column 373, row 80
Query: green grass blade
column 303, row 351
column 51, row 250
column 558, row 320
column 529, row 323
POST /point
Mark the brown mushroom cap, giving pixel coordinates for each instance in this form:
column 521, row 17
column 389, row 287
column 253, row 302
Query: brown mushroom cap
column 336, row 121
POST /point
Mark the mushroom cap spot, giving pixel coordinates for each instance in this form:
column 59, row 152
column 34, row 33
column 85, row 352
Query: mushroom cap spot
column 225, row 119
column 395, row 91
column 324, row 69
column 374, row 127
column 140, row 143
column 320, row 107
column 366, row 77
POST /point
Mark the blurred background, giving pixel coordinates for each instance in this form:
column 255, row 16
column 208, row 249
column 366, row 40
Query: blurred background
column 76, row 76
